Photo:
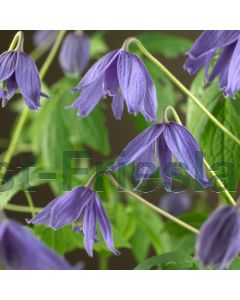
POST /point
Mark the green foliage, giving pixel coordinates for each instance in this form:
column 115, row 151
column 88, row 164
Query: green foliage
column 56, row 130
column 169, row 261
column 98, row 45
column 217, row 147
column 165, row 44
column 19, row 182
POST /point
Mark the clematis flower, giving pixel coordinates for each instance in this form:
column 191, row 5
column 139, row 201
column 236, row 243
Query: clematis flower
column 74, row 53
column 219, row 239
column 44, row 38
column 18, row 71
column 175, row 203
column 121, row 75
column 157, row 145
column 82, row 208
column 226, row 43
column 20, row 250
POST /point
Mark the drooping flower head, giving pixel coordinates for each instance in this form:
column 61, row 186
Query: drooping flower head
column 81, row 207
column 20, row 250
column 44, row 38
column 175, row 203
column 18, row 72
column 74, row 53
column 156, row 146
column 225, row 44
column 219, row 239
column 121, row 75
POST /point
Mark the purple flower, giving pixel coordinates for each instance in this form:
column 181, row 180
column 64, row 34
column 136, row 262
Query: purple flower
column 123, row 76
column 175, row 203
column 74, row 53
column 157, row 145
column 219, row 239
column 20, row 250
column 82, row 208
column 18, row 71
column 227, row 65
column 44, row 38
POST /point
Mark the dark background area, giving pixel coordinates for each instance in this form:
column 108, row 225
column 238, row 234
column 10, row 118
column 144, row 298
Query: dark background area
column 120, row 132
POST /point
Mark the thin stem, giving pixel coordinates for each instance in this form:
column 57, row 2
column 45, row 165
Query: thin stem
column 30, row 202
column 157, row 209
column 24, row 116
column 21, row 208
column 179, row 85
column 103, row 261
column 208, row 167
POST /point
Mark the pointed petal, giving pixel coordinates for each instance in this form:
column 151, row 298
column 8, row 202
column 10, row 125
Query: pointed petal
column 118, row 106
column 89, row 227
column 212, row 40
column 132, row 80
column 137, row 146
column 165, row 159
column 97, row 70
column 8, row 62
column 233, row 84
column 149, row 104
column 222, row 65
column 69, row 207
column 104, row 225
column 89, row 98
column 28, row 80
column 146, row 164
column 185, row 148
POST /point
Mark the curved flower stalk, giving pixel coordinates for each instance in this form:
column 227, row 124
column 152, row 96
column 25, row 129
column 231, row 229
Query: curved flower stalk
column 20, row 250
column 157, row 145
column 121, row 75
column 219, row 238
column 175, row 203
column 82, row 208
column 18, row 72
column 74, row 53
column 227, row 66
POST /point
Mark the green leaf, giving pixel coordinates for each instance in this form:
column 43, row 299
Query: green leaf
column 140, row 245
column 209, row 96
column 169, row 261
column 56, row 130
column 167, row 45
column 215, row 144
column 62, row 241
column 23, row 180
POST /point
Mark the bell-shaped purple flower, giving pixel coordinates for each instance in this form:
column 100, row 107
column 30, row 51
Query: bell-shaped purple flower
column 156, row 146
column 18, row 72
column 121, row 75
column 82, row 208
column 219, row 239
column 74, row 53
column 20, row 250
column 175, row 203
column 227, row 65
column 44, row 38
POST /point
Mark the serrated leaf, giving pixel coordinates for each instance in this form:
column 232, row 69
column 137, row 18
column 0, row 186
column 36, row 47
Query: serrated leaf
column 165, row 44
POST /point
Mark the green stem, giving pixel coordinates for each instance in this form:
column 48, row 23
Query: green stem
column 24, row 116
column 103, row 261
column 30, row 202
column 126, row 45
column 150, row 205
column 208, row 167
column 21, row 208
column 17, row 42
